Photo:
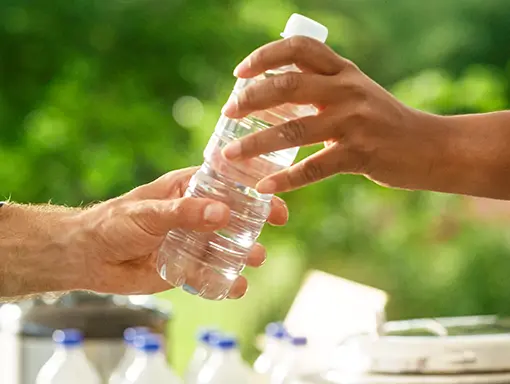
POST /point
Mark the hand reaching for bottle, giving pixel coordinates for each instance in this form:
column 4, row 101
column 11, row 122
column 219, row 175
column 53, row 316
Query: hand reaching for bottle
column 365, row 129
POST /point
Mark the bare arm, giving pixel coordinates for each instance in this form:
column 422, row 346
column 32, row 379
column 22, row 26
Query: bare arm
column 467, row 154
column 39, row 250
column 479, row 154
column 365, row 129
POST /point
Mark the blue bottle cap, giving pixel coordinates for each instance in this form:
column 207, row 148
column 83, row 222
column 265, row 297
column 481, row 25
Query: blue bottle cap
column 206, row 335
column 68, row 337
column 149, row 342
column 131, row 333
column 276, row 330
column 299, row 341
column 225, row 342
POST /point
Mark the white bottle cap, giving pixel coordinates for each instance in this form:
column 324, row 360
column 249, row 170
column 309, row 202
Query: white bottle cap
column 299, row 25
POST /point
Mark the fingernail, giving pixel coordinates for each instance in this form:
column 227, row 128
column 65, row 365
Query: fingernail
column 230, row 106
column 236, row 70
column 239, row 67
column 232, row 150
column 264, row 259
column 266, row 186
column 214, row 213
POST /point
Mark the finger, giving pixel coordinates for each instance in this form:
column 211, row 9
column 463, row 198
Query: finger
column 171, row 184
column 320, row 165
column 157, row 217
column 239, row 288
column 308, row 54
column 279, row 212
column 290, row 87
column 257, row 256
column 293, row 133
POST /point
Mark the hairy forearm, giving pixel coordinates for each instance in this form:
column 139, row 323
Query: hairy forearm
column 476, row 153
column 38, row 251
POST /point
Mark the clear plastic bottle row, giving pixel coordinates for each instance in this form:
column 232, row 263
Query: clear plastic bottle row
column 217, row 359
column 143, row 363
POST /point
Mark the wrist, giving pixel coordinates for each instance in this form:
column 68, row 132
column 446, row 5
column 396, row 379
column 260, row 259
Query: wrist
column 410, row 151
column 39, row 251
column 464, row 154
column 478, row 153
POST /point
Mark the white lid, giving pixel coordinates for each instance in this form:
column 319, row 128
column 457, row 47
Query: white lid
column 299, row 25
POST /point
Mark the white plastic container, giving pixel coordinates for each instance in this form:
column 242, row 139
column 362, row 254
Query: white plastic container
column 201, row 355
column 130, row 334
column 149, row 365
column 285, row 372
column 68, row 365
column 274, row 349
column 225, row 365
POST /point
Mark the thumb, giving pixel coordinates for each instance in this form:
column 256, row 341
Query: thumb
column 157, row 217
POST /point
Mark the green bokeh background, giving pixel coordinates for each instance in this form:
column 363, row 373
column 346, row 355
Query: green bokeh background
column 99, row 96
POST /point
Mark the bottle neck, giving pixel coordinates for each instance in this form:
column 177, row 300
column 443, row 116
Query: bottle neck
column 291, row 353
column 203, row 348
column 70, row 352
column 150, row 357
column 232, row 355
column 273, row 345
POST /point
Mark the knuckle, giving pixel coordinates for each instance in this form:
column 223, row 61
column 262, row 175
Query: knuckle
column 293, row 131
column 257, row 57
column 289, row 82
column 118, row 208
column 358, row 142
column 362, row 112
column 246, row 97
column 252, row 144
column 300, row 45
column 145, row 215
column 350, row 65
column 178, row 207
column 311, row 171
column 355, row 120
column 355, row 90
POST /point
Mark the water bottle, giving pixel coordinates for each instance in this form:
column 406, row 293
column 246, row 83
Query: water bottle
column 130, row 334
column 285, row 371
column 208, row 264
column 274, row 349
column 201, row 355
column 149, row 365
column 68, row 364
column 225, row 364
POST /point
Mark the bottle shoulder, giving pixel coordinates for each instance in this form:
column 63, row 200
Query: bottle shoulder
column 60, row 371
column 151, row 370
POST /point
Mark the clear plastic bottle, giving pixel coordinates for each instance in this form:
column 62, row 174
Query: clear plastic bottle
column 274, row 349
column 68, row 364
column 149, row 365
column 285, row 371
column 207, row 264
column 201, row 355
column 225, row 365
column 130, row 334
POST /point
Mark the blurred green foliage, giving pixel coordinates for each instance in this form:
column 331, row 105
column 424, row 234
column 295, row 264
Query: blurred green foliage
column 98, row 96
